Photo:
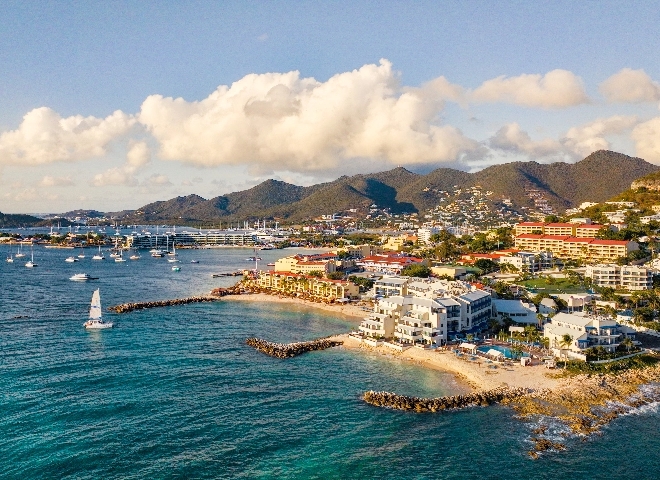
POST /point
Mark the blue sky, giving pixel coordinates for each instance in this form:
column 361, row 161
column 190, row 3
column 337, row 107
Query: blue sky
column 112, row 105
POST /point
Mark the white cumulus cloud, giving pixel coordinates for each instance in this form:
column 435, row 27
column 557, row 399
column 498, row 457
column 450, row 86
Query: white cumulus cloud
column 647, row 140
column 630, row 86
column 137, row 157
column 45, row 137
column 513, row 139
column 585, row 139
column 49, row 181
column 555, row 89
column 575, row 144
column 280, row 121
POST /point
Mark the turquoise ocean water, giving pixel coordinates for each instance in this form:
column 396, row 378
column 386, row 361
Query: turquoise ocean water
column 175, row 393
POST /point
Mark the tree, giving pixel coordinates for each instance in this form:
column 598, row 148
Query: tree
column 565, row 342
column 516, row 351
column 363, row 283
column 416, row 270
column 335, row 275
column 486, row 265
column 316, row 273
column 540, row 318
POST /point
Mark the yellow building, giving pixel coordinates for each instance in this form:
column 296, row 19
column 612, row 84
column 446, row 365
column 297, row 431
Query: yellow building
column 581, row 230
column 304, row 264
column 575, row 247
column 322, row 288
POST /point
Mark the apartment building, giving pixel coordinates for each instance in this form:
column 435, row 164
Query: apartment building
column 629, row 277
column 575, row 247
column 411, row 320
column 424, row 233
column 588, row 230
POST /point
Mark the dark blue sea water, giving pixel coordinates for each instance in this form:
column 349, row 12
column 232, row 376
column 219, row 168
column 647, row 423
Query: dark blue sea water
column 175, row 393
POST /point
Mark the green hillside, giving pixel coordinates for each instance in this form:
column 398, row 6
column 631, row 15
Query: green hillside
column 596, row 178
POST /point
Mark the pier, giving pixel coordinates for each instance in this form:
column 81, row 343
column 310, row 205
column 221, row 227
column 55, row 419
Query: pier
column 288, row 350
column 237, row 273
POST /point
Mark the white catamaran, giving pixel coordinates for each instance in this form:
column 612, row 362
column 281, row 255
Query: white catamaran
column 95, row 317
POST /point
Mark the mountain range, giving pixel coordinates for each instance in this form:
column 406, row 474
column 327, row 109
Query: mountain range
column 597, row 178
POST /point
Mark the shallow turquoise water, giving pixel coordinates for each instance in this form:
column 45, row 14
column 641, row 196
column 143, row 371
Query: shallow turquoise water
column 175, row 393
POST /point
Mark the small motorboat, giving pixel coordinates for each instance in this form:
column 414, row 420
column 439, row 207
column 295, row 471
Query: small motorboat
column 176, row 269
column 71, row 259
column 82, row 277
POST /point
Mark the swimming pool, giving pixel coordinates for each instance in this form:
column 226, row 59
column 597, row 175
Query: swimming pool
column 506, row 351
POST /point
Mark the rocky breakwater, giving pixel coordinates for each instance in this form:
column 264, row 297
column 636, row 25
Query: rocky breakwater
column 237, row 289
column 129, row 307
column 403, row 402
column 288, row 350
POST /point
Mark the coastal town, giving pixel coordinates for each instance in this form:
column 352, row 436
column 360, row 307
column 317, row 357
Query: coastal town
column 518, row 311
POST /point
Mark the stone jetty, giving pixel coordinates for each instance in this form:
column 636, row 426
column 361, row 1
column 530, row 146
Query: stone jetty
column 403, row 402
column 288, row 350
column 129, row 307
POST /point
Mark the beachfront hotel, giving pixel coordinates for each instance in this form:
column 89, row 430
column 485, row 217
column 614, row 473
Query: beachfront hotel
column 586, row 331
column 305, row 285
column 426, row 311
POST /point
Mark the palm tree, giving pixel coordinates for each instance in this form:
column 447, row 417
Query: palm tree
column 627, row 342
column 565, row 342
column 540, row 318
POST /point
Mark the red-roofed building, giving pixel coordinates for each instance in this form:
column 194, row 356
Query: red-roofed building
column 389, row 264
column 529, row 227
column 562, row 229
column 575, row 247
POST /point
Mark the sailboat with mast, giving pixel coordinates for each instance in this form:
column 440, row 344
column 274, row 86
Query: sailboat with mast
column 20, row 253
column 95, row 314
column 173, row 256
column 30, row 263
column 10, row 257
column 98, row 256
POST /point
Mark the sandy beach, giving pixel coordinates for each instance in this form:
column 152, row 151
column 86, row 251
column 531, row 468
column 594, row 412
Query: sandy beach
column 352, row 312
column 476, row 374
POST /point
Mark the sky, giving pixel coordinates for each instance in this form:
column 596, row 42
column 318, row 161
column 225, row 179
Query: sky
column 112, row 105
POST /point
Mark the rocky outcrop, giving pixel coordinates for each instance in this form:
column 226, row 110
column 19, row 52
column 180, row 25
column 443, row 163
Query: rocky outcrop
column 403, row 402
column 288, row 350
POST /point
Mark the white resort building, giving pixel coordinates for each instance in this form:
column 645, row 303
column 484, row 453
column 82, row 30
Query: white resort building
column 516, row 310
column 586, row 331
column 426, row 311
column 630, row 277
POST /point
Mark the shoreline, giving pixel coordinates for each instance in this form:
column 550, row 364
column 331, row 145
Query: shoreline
column 351, row 312
column 476, row 375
